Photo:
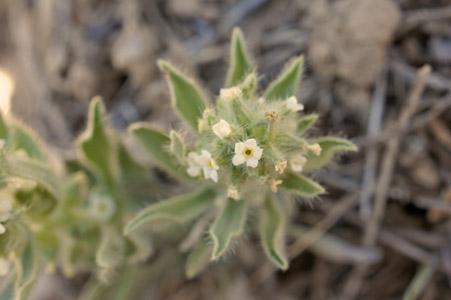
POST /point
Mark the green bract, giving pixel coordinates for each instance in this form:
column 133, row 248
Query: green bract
column 250, row 153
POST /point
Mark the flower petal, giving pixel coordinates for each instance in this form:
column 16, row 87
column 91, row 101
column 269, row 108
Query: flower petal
column 239, row 147
column 193, row 171
column 252, row 162
column 258, row 152
column 238, row 159
column 251, row 143
column 214, row 175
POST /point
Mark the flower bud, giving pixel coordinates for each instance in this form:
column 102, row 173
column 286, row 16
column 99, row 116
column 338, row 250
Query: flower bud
column 222, row 129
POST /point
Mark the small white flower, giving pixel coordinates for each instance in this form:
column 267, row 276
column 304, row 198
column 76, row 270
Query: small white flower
column 315, row 149
column 102, row 207
column 297, row 163
column 292, row 104
column 194, row 167
column 209, row 165
column 280, row 167
column 203, row 162
column 4, row 266
column 2, row 229
column 231, row 93
column 261, row 100
column 247, row 152
column 233, row 193
column 222, row 129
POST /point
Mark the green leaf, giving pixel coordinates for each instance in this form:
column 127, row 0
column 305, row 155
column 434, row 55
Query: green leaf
column 228, row 224
column 111, row 251
column 95, row 143
column 156, row 143
column 240, row 61
column 177, row 147
column 272, row 232
column 27, row 266
column 142, row 247
column 187, row 98
column 306, row 122
column 7, row 287
column 198, row 260
column 300, row 185
column 131, row 170
column 37, row 171
column 329, row 147
column 179, row 209
column 120, row 289
column 285, row 85
column 21, row 137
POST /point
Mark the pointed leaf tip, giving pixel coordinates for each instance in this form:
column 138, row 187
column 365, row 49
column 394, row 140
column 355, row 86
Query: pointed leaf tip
column 179, row 209
column 187, row 98
column 301, row 185
column 240, row 61
column 286, row 84
column 329, row 147
column 229, row 224
column 272, row 233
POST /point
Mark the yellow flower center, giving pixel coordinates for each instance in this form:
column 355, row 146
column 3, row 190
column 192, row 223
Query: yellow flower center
column 102, row 207
column 210, row 164
column 248, row 152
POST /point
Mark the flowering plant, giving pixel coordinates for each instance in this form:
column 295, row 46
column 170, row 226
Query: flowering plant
column 251, row 153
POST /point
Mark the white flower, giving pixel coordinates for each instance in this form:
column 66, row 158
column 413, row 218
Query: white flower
column 292, row 104
column 247, row 152
column 222, row 129
column 315, row 149
column 202, row 162
column 230, row 93
column 233, row 193
column 209, row 165
column 193, row 165
column 280, row 167
column 102, row 207
column 4, row 266
column 297, row 163
column 2, row 229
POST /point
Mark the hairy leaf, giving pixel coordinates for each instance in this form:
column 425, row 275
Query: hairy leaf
column 285, row 85
column 95, row 143
column 187, row 98
column 228, row 224
column 198, row 260
column 272, row 232
column 329, row 147
column 240, row 61
column 300, row 185
column 21, row 137
column 177, row 147
column 306, row 122
column 27, row 265
column 178, row 209
column 37, row 171
column 111, row 251
column 156, row 143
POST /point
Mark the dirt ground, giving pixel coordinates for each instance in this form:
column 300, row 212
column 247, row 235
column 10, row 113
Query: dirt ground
column 389, row 204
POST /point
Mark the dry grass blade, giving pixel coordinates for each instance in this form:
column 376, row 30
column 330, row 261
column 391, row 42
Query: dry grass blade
column 355, row 280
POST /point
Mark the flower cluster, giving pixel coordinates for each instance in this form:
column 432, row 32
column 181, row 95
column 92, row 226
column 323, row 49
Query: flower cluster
column 252, row 150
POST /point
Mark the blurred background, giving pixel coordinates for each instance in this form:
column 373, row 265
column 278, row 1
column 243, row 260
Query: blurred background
column 384, row 227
